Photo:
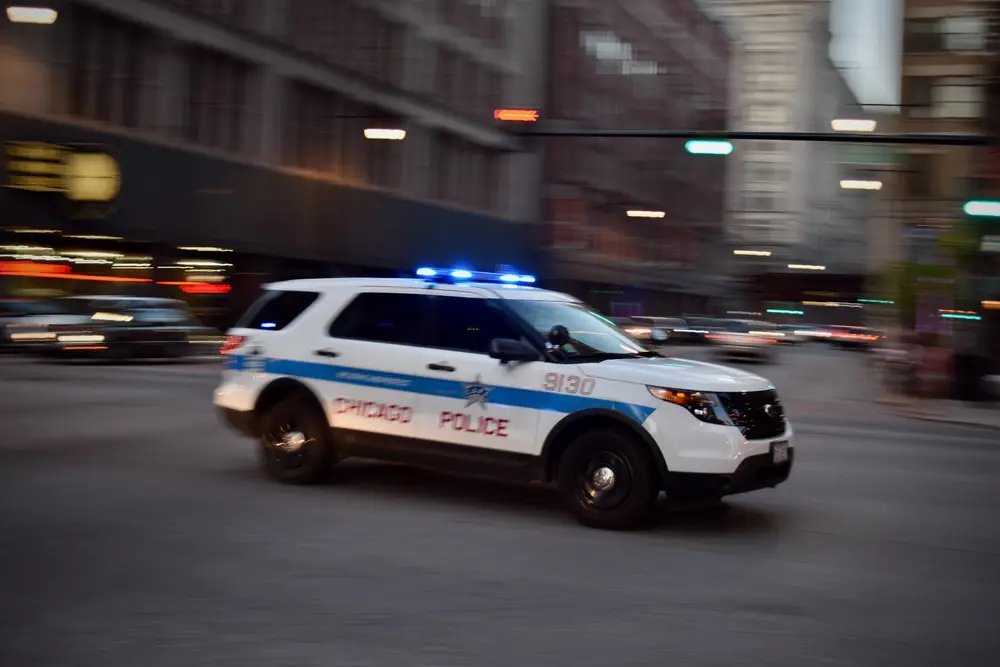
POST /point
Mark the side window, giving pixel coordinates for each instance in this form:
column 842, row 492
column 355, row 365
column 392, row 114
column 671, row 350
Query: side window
column 385, row 317
column 276, row 309
column 468, row 325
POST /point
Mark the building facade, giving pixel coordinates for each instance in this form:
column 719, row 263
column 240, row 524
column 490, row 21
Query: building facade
column 241, row 125
column 635, row 65
column 784, row 197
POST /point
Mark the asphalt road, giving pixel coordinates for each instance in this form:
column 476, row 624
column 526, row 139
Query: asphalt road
column 136, row 531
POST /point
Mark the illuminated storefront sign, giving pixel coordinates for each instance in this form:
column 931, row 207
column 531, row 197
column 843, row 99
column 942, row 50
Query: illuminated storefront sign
column 85, row 174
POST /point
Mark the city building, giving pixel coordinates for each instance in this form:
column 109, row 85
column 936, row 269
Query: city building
column 945, row 73
column 635, row 224
column 244, row 126
column 785, row 197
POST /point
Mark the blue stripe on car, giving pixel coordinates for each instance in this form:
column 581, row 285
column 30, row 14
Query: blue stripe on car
column 426, row 386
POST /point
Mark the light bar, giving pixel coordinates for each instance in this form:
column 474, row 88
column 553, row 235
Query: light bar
column 37, row 15
column 807, row 267
column 385, row 134
column 849, row 184
column 708, row 147
column 634, row 213
column 779, row 311
column 852, row 125
column 883, row 301
column 959, row 316
column 507, row 278
column 753, row 253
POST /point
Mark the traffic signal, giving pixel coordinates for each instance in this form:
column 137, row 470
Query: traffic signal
column 709, row 147
column 982, row 208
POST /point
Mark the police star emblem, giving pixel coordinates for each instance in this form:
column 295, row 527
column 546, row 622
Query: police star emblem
column 476, row 392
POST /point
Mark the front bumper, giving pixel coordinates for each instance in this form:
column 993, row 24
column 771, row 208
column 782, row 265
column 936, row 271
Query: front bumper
column 753, row 473
column 243, row 422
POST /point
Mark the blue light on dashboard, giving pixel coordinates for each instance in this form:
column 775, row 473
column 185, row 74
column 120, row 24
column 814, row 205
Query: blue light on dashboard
column 426, row 272
column 526, row 279
column 509, row 278
column 461, row 274
column 268, row 325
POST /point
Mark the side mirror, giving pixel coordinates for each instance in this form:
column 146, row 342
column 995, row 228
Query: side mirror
column 559, row 335
column 659, row 336
column 508, row 349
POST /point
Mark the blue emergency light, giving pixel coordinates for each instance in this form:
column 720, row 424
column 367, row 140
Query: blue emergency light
column 456, row 275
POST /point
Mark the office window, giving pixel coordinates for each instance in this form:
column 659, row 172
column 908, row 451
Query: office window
column 918, row 96
column 446, row 75
column 767, row 114
column 312, row 127
column 957, row 97
column 919, row 178
column 217, row 98
column 922, row 36
column 103, row 77
column 965, row 33
column 760, row 202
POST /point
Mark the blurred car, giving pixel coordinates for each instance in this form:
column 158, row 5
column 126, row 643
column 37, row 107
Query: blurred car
column 696, row 329
column 745, row 340
column 647, row 330
column 853, row 337
column 113, row 326
column 14, row 312
column 791, row 334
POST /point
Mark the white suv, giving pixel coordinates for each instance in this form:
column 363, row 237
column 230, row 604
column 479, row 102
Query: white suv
column 495, row 378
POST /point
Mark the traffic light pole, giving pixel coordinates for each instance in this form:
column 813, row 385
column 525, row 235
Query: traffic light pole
column 540, row 130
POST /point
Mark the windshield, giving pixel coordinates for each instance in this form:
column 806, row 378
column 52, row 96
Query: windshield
column 591, row 334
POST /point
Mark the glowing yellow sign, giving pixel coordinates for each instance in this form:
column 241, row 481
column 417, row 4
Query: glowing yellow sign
column 81, row 175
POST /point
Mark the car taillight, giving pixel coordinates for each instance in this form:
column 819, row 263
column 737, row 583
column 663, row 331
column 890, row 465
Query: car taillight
column 231, row 343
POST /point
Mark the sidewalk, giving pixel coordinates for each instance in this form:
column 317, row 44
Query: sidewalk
column 985, row 415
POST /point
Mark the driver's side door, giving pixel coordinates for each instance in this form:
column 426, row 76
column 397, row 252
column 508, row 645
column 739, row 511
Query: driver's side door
column 475, row 400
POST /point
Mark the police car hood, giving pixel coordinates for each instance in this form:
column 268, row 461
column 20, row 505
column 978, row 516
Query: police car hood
column 674, row 373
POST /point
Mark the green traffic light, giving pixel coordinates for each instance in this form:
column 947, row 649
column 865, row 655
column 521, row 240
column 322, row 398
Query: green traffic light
column 709, row 147
column 982, row 208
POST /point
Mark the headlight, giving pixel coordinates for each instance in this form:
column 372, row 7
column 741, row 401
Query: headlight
column 702, row 405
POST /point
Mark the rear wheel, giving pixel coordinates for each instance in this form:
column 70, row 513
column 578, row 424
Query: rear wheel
column 295, row 442
column 607, row 480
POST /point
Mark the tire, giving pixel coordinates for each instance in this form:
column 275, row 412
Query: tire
column 295, row 446
column 628, row 501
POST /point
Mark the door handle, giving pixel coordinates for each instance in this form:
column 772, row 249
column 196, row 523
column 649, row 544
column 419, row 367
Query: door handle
column 441, row 367
column 326, row 353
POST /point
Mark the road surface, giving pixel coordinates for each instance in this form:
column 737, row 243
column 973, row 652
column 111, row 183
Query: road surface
column 137, row 531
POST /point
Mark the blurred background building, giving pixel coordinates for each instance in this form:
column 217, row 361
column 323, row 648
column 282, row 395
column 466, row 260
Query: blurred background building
column 241, row 126
column 635, row 224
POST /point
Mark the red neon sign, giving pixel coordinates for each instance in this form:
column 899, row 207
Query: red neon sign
column 516, row 115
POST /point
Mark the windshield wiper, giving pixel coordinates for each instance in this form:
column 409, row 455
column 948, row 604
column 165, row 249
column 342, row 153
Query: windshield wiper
column 607, row 356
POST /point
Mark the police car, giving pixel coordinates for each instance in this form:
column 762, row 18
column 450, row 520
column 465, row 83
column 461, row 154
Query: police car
column 487, row 374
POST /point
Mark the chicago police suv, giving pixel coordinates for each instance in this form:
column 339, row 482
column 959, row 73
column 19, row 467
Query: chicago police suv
column 485, row 374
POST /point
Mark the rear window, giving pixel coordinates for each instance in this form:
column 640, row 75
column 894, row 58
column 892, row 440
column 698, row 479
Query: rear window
column 277, row 309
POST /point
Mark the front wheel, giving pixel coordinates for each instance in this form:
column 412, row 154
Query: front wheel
column 295, row 443
column 607, row 480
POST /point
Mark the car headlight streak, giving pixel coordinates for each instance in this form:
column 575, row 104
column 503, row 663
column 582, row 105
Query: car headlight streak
column 704, row 406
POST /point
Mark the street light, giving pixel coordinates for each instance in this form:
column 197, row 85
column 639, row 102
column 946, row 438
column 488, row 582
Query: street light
column 982, row 208
column 38, row 15
column 860, row 185
column 709, row 147
column 385, row 134
column 852, row 125
column 633, row 213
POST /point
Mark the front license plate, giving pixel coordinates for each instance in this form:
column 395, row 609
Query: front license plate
column 779, row 451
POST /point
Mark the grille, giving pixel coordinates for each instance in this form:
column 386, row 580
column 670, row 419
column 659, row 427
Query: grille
column 749, row 412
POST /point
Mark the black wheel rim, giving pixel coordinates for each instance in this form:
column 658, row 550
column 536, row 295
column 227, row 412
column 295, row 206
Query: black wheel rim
column 286, row 445
column 603, row 481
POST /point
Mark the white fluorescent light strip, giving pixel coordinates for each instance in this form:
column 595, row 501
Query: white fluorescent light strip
column 861, row 185
column 852, row 125
column 753, row 253
column 390, row 135
column 38, row 15
column 807, row 267
column 645, row 214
